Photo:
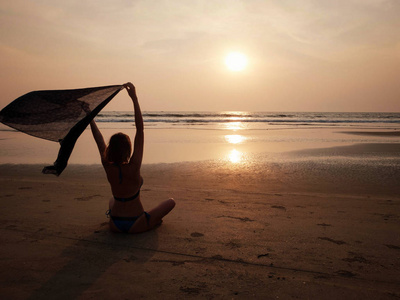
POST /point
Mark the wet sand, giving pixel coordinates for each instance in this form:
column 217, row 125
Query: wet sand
column 321, row 223
column 392, row 133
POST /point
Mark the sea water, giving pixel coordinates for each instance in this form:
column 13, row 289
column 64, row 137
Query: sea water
column 235, row 137
column 254, row 120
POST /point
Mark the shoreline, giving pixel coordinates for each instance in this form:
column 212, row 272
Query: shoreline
column 171, row 145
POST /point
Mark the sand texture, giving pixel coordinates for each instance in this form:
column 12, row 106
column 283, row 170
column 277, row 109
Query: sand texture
column 305, row 229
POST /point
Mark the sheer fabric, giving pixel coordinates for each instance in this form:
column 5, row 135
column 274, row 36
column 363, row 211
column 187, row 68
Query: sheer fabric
column 58, row 115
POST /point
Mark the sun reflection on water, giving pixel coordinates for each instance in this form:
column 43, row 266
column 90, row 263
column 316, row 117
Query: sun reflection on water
column 235, row 138
column 234, row 125
column 235, row 156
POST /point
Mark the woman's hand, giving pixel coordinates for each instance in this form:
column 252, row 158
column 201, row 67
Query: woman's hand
column 131, row 89
column 129, row 86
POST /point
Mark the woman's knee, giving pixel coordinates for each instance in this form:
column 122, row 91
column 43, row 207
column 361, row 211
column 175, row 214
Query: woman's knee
column 171, row 203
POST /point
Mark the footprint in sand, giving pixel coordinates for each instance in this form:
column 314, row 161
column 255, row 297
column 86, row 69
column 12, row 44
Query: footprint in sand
column 263, row 255
column 233, row 244
column 190, row 290
column 87, row 198
column 345, row 273
column 355, row 257
column 393, row 247
column 196, row 234
column 245, row 219
column 279, row 207
column 332, row 240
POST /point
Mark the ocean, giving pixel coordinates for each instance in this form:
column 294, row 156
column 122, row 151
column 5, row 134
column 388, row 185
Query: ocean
column 229, row 137
column 255, row 120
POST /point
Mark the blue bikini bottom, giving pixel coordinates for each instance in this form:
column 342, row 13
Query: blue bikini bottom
column 125, row 223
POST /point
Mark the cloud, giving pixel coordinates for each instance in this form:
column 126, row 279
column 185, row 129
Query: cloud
column 183, row 42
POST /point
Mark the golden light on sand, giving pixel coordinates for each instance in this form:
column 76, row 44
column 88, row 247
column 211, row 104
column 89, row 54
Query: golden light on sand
column 236, row 61
column 235, row 156
column 235, row 139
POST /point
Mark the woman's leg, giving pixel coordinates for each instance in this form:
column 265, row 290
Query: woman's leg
column 156, row 215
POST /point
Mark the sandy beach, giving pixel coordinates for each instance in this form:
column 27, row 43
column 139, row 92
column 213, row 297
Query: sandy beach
column 316, row 225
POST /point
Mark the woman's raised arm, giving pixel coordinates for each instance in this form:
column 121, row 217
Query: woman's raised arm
column 98, row 137
column 137, row 155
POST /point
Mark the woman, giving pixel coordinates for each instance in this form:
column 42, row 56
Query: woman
column 123, row 173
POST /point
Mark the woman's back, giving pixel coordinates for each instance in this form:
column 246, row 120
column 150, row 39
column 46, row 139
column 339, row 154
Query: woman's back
column 125, row 179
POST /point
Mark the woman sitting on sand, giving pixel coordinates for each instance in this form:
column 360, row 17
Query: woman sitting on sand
column 123, row 173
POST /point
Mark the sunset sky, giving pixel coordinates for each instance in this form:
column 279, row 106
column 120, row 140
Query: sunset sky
column 302, row 55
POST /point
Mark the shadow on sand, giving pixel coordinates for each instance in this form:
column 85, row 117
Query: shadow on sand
column 90, row 257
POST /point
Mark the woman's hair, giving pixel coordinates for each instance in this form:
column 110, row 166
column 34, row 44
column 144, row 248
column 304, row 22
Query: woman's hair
column 119, row 148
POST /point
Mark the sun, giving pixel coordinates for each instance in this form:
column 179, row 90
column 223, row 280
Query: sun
column 236, row 61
